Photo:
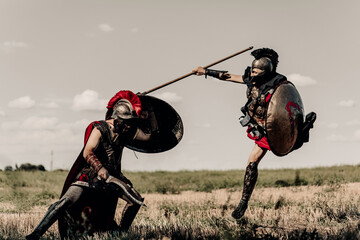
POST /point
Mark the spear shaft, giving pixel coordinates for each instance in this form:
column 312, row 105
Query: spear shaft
column 191, row 73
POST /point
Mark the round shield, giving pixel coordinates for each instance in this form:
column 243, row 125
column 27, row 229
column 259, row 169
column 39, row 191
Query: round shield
column 285, row 115
column 162, row 121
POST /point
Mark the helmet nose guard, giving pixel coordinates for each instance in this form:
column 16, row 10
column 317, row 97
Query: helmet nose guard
column 124, row 110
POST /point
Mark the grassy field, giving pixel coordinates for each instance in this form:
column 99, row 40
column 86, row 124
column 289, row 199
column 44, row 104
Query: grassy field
column 319, row 203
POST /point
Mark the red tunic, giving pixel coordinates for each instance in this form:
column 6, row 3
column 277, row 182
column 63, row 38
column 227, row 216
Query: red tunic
column 262, row 142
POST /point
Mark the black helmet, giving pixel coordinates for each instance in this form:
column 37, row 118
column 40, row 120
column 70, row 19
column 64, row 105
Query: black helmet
column 263, row 64
column 268, row 55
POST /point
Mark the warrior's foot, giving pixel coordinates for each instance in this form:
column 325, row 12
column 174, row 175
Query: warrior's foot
column 239, row 210
column 310, row 118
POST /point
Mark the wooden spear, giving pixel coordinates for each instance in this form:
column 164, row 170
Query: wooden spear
column 189, row 74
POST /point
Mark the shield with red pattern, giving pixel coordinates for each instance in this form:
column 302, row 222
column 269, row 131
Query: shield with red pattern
column 285, row 116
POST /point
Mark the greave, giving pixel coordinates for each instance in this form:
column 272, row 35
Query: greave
column 53, row 213
column 128, row 216
column 250, row 179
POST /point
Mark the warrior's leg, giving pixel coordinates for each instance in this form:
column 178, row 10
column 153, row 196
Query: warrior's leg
column 250, row 178
column 55, row 210
column 129, row 212
column 133, row 199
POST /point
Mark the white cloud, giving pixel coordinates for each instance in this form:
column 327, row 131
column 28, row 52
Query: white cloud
column 36, row 123
column 357, row 135
column 81, row 124
column 2, row 113
column 170, row 97
column 51, row 105
column 332, row 125
column 15, row 44
column 300, row 80
column 22, row 102
column 337, row 138
column 41, row 133
column 45, row 137
column 31, row 123
column 7, row 126
column 134, row 30
column 78, row 126
column 106, row 27
column 9, row 46
column 39, row 123
column 342, row 138
column 89, row 100
column 207, row 125
column 354, row 122
column 346, row 103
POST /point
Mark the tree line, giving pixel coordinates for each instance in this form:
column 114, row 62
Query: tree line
column 25, row 167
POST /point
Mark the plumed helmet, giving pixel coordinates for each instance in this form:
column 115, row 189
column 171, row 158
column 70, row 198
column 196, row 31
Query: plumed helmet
column 123, row 109
column 265, row 59
column 134, row 100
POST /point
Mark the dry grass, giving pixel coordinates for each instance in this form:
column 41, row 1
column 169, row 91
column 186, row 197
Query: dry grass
column 304, row 212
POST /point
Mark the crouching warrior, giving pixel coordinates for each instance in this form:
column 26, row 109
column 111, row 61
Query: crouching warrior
column 273, row 114
column 95, row 182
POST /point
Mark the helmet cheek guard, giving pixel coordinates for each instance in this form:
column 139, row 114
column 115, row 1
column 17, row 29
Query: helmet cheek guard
column 124, row 115
column 126, row 127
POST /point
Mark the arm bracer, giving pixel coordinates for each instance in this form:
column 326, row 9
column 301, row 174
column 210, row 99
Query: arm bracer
column 93, row 161
column 222, row 75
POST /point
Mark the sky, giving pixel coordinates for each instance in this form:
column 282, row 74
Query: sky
column 61, row 61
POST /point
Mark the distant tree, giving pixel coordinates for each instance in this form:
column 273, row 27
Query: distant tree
column 31, row 167
column 41, row 168
column 8, row 168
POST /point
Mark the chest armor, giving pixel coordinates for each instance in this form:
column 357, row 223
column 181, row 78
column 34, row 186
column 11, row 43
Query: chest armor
column 257, row 104
column 109, row 150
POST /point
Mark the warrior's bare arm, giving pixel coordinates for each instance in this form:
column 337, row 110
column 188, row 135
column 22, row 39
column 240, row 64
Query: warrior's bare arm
column 199, row 71
column 89, row 155
column 140, row 135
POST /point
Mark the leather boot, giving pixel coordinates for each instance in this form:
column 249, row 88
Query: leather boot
column 250, row 179
column 128, row 216
column 53, row 213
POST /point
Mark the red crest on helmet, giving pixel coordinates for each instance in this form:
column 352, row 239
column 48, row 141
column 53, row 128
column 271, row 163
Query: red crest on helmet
column 124, row 94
